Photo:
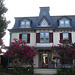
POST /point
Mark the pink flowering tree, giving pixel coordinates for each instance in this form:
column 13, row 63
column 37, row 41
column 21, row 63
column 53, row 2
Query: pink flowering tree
column 20, row 53
column 66, row 51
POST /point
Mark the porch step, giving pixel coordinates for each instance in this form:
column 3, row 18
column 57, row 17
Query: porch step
column 45, row 71
column 44, row 74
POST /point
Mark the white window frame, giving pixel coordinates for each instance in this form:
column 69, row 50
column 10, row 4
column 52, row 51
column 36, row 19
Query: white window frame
column 66, row 25
column 24, row 37
column 67, row 34
column 44, row 37
column 61, row 25
column 25, row 25
column 64, row 22
column 22, row 24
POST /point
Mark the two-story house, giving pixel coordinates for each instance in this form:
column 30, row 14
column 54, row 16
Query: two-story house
column 42, row 32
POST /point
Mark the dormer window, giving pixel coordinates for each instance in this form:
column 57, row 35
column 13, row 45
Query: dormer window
column 67, row 22
column 64, row 22
column 22, row 24
column 44, row 23
column 61, row 22
column 25, row 24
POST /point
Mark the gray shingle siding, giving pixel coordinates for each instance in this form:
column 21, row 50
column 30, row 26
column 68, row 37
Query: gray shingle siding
column 53, row 20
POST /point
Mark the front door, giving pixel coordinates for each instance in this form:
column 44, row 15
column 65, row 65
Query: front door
column 45, row 59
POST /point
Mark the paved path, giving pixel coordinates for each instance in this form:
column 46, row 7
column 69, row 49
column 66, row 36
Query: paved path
column 43, row 74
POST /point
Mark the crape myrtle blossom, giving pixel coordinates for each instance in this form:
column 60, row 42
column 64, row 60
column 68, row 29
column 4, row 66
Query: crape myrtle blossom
column 20, row 51
column 66, row 51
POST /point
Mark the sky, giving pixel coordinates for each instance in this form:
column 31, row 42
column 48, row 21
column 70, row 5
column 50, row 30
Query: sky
column 26, row 8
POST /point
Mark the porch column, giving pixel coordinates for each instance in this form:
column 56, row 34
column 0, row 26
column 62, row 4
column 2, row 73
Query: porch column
column 0, row 60
column 49, row 59
column 10, row 37
column 57, row 60
column 8, row 60
column 40, row 59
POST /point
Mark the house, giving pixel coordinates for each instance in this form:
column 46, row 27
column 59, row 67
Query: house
column 42, row 32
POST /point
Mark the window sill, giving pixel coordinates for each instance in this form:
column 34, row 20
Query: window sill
column 64, row 27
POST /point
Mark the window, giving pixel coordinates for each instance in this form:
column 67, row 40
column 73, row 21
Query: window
column 67, row 22
column 44, row 23
column 65, row 35
column 25, row 24
column 64, row 23
column 41, row 37
column 44, row 37
column 24, row 37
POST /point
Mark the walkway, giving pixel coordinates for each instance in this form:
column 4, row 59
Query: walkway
column 43, row 74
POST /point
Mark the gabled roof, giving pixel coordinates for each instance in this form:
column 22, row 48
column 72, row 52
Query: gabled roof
column 25, row 18
column 64, row 17
column 45, row 19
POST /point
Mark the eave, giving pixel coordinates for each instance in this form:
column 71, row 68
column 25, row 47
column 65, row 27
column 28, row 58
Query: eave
column 20, row 29
column 44, row 28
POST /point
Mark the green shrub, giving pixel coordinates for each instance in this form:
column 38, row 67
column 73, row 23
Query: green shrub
column 65, row 71
column 4, row 61
column 17, row 71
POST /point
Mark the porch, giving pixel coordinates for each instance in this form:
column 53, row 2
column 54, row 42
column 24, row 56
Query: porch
column 44, row 58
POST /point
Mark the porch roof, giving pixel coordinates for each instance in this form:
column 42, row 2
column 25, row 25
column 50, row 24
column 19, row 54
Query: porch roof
column 42, row 48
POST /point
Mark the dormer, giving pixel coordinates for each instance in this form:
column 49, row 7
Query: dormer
column 25, row 23
column 44, row 18
column 44, row 22
column 64, row 22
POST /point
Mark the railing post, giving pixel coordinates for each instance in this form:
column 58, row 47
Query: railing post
column 8, row 61
column 57, row 60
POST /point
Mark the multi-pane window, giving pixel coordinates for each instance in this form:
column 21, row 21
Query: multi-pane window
column 25, row 24
column 44, row 37
column 65, row 35
column 24, row 37
column 67, row 22
column 64, row 23
column 41, row 37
